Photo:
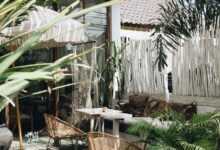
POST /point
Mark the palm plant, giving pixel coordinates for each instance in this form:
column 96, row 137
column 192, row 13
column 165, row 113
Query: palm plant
column 201, row 133
column 181, row 19
column 16, row 79
column 107, row 71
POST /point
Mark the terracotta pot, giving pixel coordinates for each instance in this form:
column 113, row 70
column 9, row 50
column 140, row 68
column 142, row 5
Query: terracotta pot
column 6, row 138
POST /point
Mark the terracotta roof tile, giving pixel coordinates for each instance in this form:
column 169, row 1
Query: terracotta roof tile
column 144, row 12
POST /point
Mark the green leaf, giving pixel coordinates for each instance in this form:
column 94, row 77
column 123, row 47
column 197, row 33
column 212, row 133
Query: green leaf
column 31, row 76
column 10, row 89
column 28, row 68
column 16, row 80
column 188, row 146
column 9, row 60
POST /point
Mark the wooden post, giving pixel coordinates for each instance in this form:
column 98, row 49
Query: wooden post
column 55, row 94
column 83, row 6
column 108, row 93
column 18, row 114
column 19, row 125
column 7, row 116
column 109, row 27
column 57, row 99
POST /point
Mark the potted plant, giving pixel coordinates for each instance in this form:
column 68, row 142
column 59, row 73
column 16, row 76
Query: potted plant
column 6, row 137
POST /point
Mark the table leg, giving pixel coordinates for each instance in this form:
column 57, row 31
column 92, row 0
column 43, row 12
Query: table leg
column 101, row 125
column 92, row 121
column 116, row 128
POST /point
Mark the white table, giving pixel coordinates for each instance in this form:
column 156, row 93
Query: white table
column 104, row 113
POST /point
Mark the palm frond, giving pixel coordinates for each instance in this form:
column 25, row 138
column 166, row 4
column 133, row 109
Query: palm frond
column 188, row 146
column 201, row 133
column 180, row 20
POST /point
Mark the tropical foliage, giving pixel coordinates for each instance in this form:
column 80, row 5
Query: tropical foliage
column 181, row 19
column 107, row 72
column 16, row 79
column 200, row 133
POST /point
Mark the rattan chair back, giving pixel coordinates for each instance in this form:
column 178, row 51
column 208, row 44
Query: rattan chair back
column 60, row 129
column 103, row 141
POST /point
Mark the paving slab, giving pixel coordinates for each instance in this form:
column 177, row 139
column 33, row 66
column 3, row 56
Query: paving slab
column 42, row 145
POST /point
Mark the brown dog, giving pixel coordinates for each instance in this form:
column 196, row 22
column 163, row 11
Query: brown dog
column 144, row 105
column 156, row 105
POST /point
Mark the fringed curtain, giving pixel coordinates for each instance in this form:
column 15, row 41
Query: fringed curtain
column 140, row 73
column 196, row 67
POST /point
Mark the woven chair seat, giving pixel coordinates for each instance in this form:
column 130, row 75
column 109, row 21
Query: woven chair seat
column 102, row 141
column 65, row 131
column 60, row 129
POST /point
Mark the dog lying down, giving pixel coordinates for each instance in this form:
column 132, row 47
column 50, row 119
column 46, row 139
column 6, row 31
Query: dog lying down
column 145, row 106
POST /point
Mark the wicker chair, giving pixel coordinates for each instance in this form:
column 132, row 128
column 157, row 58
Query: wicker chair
column 103, row 141
column 58, row 129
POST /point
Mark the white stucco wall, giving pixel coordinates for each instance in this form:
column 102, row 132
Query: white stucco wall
column 137, row 35
column 116, row 23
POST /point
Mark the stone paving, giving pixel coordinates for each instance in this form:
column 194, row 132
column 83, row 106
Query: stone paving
column 42, row 144
column 205, row 104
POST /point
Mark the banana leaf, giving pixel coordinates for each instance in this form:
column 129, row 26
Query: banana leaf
column 28, row 68
column 12, row 11
column 10, row 89
column 20, row 81
column 34, row 40
column 30, row 43
column 11, row 72
column 13, row 15
column 31, row 76
column 15, row 86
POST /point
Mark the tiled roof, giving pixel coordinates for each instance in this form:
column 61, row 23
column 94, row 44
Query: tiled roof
column 143, row 12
